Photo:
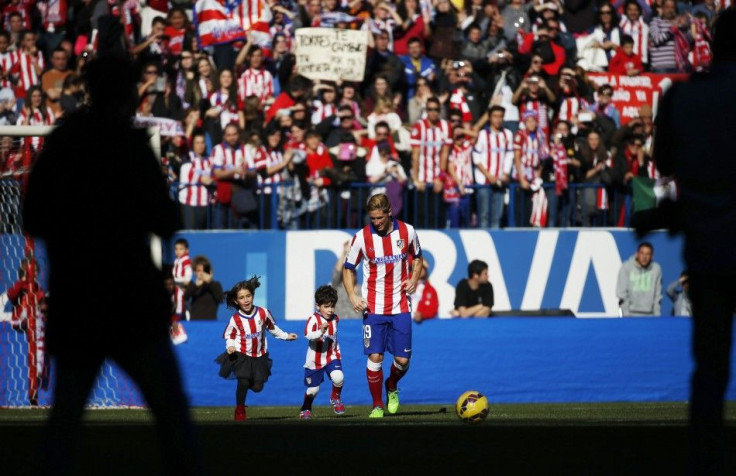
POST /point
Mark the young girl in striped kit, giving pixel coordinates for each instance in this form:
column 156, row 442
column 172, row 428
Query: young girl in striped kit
column 323, row 354
column 246, row 356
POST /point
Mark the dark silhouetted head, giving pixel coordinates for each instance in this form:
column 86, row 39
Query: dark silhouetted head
column 111, row 85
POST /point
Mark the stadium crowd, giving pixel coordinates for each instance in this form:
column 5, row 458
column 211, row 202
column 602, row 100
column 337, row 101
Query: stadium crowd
column 474, row 113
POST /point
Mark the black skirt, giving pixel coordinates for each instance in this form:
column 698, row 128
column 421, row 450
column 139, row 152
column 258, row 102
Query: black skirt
column 238, row 365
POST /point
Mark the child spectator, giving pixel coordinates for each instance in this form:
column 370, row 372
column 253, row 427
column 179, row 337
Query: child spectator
column 679, row 292
column 424, row 301
column 323, row 354
column 626, row 62
column 246, row 357
column 182, row 273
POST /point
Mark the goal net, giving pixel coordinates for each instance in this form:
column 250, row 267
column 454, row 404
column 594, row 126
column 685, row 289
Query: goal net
column 26, row 372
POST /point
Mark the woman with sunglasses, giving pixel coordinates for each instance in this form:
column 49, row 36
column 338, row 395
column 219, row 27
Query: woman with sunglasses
column 606, row 33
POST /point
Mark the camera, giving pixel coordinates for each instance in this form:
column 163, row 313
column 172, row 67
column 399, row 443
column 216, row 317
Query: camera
column 207, row 268
column 585, row 117
column 160, row 86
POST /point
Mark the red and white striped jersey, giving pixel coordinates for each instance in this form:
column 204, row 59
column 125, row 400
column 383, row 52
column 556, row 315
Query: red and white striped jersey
column 457, row 101
column 226, row 157
column 532, row 146
column 460, row 157
column 570, row 107
column 430, row 139
column 255, row 82
column 7, row 60
column 246, row 333
column 265, row 159
column 229, row 113
column 26, row 72
column 385, row 265
column 191, row 189
column 639, row 31
column 323, row 348
column 35, row 119
column 321, row 111
column 494, row 150
column 182, row 272
column 540, row 108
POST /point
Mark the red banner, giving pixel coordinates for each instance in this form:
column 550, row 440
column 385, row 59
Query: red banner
column 631, row 92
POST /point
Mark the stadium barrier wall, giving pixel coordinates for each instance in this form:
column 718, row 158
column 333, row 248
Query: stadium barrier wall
column 529, row 269
column 512, row 360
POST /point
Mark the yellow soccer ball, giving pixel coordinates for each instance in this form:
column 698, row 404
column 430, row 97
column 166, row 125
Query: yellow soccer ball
column 472, row 407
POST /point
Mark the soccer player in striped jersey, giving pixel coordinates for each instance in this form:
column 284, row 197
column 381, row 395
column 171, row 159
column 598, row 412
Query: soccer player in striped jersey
column 392, row 263
column 323, row 353
column 246, row 357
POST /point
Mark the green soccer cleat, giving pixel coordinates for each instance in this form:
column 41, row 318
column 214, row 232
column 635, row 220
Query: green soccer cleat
column 393, row 400
column 376, row 413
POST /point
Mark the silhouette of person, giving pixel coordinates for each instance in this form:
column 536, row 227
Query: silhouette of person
column 97, row 192
column 695, row 127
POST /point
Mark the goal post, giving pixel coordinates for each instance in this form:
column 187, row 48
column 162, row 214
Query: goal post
column 26, row 374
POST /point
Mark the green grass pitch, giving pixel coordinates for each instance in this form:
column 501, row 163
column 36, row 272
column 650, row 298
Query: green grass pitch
column 667, row 413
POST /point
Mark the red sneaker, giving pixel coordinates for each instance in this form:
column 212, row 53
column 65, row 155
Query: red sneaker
column 337, row 406
column 240, row 413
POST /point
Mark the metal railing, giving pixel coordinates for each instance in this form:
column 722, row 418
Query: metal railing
column 578, row 206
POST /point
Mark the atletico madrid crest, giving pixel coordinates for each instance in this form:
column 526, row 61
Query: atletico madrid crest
column 400, row 243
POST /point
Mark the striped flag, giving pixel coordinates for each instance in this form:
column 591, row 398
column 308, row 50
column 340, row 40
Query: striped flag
column 225, row 21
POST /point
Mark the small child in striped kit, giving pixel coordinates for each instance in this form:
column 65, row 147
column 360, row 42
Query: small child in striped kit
column 323, row 354
column 246, row 356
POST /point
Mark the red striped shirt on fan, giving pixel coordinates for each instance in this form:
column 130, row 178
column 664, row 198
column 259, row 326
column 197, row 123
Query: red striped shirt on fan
column 191, row 189
column 35, row 119
column 532, row 146
column 255, row 82
column 569, row 108
column 7, row 60
column 26, row 72
column 386, row 262
column 266, row 159
column 225, row 157
column 639, row 31
column 246, row 333
column 495, row 151
column 323, row 348
column 430, row 139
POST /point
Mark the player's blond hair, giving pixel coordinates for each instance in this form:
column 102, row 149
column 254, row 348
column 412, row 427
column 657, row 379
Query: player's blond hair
column 378, row 201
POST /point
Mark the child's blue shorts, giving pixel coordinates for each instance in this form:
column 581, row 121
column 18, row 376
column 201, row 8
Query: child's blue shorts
column 313, row 378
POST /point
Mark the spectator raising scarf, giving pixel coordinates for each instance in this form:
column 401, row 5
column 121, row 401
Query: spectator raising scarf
column 221, row 21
